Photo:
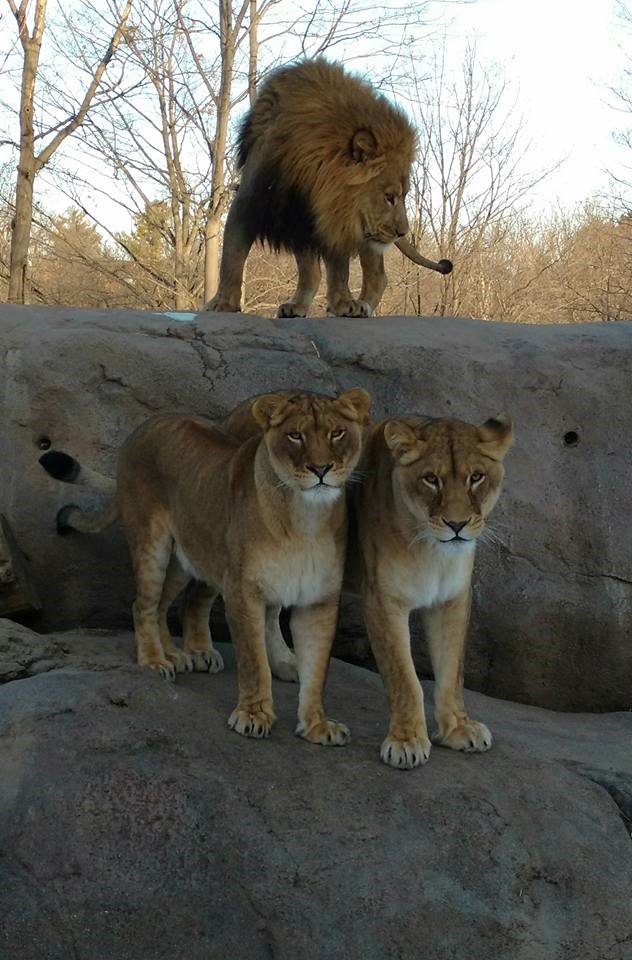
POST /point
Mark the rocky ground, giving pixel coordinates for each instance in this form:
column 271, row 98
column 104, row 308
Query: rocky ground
column 552, row 610
column 134, row 825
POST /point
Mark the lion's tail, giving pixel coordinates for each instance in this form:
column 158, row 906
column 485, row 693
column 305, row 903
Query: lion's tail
column 61, row 466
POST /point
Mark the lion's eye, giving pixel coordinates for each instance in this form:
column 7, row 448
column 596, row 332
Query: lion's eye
column 295, row 437
column 476, row 478
column 431, row 479
column 391, row 199
column 338, row 434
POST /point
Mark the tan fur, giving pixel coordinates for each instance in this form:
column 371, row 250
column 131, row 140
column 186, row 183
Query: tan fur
column 260, row 522
column 420, row 476
column 328, row 149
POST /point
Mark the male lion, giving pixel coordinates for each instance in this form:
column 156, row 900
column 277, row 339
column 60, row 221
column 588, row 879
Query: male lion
column 325, row 171
column 430, row 484
column 262, row 522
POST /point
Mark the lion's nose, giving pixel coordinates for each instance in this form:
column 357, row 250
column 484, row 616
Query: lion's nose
column 456, row 525
column 320, row 469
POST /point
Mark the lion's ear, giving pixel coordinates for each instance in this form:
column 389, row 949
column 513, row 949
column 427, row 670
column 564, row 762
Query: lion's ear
column 355, row 405
column 496, row 436
column 403, row 442
column 363, row 146
column 269, row 410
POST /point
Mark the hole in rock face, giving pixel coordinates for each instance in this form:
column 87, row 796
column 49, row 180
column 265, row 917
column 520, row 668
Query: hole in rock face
column 43, row 443
column 571, row 438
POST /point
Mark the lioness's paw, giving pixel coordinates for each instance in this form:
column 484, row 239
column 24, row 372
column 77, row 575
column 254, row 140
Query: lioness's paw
column 350, row 308
column 285, row 669
column 405, row 754
column 470, row 737
column 182, row 662
column 163, row 667
column 256, row 723
column 222, row 305
column 290, row 309
column 207, row 661
column 329, row 733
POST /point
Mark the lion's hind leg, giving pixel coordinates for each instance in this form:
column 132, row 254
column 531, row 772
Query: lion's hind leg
column 282, row 659
column 238, row 239
column 175, row 581
column 373, row 276
column 150, row 547
column 198, row 644
column 340, row 303
column 308, row 264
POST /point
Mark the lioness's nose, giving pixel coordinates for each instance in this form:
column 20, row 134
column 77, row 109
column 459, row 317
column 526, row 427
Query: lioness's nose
column 320, row 469
column 456, row 525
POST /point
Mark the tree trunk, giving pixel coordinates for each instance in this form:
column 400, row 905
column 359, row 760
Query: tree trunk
column 21, row 232
column 228, row 40
column 211, row 254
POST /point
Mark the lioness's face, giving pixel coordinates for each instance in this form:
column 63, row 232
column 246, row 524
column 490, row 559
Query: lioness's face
column 448, row 473
column 314, row 442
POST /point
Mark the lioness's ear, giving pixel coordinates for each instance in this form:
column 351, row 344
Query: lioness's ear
column 363, row 146
column 355, row 405
column 496, row 436
column 403, row 442
column 269, row 410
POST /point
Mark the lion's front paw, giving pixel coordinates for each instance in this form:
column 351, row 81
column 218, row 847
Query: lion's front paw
column 251, row 723
column 348, row 307
column 207, row 661
column 469, row 736
column 329, row 733
column 182, row 662
column 405, row 754
column 165, row 668
column 222, row 305
column 291, row 309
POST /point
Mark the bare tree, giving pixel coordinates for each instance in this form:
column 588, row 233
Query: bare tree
column 31, row 163
column 468, row 183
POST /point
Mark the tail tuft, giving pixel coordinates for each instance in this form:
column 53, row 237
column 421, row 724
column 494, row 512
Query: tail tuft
column 60, row 466
column 63, row 527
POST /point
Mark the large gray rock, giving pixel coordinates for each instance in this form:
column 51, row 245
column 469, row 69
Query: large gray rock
column 553, row 593
column 134, row 825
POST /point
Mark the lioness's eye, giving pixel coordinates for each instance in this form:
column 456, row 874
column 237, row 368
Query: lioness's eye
column 476, row 478
column 294, row 437
column 338, row 434
column 431, row 479
column 391, row 199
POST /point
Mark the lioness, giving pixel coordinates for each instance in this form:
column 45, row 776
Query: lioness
column 262, row 522
column 325, row 169
column 429, row 486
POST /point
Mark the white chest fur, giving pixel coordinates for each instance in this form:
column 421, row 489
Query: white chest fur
column 309, row 569
column 432, row 573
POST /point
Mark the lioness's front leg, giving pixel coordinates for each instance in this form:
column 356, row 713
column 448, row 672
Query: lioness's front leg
column 313, row 630
column 407, row 744
column 340, row 303
column 446, row 627
column 246, row 612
